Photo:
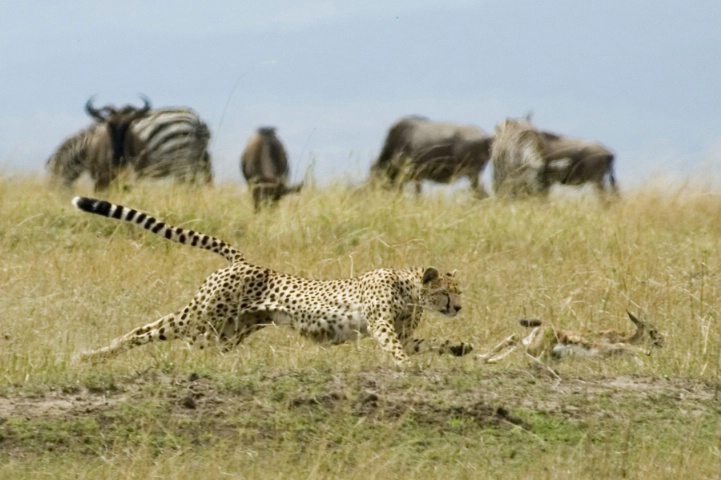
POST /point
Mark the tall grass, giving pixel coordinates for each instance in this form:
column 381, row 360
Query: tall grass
column 72, row 281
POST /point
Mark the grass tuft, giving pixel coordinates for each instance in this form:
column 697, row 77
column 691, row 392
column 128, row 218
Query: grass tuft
column 282, row 406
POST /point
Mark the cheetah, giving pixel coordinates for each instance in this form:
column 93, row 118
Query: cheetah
column 549, row 342
column 235, row 301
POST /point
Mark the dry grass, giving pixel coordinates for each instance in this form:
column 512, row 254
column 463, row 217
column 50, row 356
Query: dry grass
column 71, row 281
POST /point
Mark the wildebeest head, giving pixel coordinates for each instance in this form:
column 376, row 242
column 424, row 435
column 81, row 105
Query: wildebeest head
column 117, row 122
column 264, row 164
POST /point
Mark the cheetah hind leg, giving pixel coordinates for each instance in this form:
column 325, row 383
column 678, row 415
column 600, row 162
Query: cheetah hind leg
column 233, row 333
column 166, row 328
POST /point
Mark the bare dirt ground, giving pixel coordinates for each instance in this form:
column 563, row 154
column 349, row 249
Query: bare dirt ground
column 382, row 394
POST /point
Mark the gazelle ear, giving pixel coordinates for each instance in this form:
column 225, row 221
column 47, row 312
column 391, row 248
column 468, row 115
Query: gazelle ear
column 633, row 318
column 430, row 275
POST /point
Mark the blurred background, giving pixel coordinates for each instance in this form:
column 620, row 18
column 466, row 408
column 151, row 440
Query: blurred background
column 642, row 77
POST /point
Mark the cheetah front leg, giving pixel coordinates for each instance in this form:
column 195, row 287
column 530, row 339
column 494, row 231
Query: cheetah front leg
column 414, row 346
column 406, row 325
column 381, row 329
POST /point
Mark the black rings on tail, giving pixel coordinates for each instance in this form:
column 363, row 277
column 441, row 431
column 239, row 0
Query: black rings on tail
column 175, row 234
column 99, row 207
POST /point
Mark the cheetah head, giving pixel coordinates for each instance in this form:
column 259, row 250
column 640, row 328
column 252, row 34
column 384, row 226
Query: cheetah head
column 441, row 293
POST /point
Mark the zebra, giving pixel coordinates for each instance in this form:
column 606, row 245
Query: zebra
column 166, row 142
column 176, row 145
column 71, row 159
column 101, row 149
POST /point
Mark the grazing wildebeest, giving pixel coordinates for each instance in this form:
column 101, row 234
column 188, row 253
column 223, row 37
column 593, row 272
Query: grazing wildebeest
column 163, row 142
column 526, row 160
column 517, row 158
column 572, row 161
column 418, row 149
column 264, row 165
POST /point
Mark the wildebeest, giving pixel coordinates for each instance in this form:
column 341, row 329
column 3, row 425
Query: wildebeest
column 418, row 149
column 528, row 161
column 120, row 146
column 163, row 142
column 264, row 164
column 572, row 161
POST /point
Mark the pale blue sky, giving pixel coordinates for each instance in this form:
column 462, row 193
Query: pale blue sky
column 643, row 77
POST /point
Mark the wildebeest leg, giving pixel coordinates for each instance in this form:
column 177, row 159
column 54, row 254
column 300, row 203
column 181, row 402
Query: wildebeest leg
column 606, row 195
column 610, row 192
column 103, row 179
column 477, row 187
column 419, row 187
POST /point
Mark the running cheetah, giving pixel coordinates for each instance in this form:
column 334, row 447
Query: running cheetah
column 235, row 301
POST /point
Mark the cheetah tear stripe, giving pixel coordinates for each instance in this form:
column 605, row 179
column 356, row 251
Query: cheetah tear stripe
column 175, row 234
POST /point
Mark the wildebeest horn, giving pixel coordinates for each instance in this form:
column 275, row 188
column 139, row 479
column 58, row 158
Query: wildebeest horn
column 146, row 104
column 266, row 130
column 94, row 112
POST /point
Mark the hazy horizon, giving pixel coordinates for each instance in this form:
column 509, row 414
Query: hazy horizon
column 641, row 77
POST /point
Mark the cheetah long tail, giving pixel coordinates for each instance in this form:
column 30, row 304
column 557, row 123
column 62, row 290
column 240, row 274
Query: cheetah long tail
column 175, row 234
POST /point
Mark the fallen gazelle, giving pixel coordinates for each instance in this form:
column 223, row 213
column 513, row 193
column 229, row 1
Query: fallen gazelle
column 547, row 342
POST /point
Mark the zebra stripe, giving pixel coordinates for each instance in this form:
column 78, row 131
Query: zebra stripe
column 176, row 144
column 175, row 139
column 71, row 159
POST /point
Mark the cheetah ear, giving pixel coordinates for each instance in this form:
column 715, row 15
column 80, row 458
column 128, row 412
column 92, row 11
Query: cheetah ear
column 430, row 275
column 452, row 274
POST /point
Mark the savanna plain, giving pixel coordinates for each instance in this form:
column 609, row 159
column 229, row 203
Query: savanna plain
column 281, row 406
